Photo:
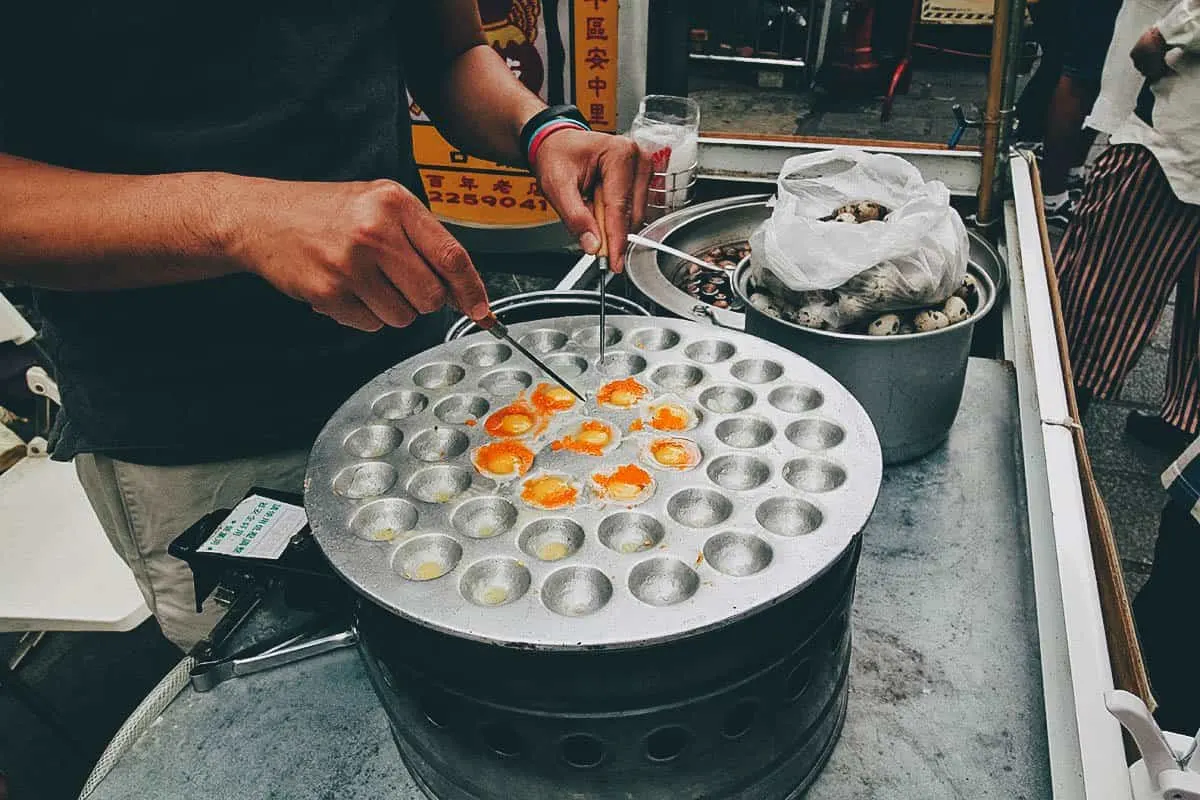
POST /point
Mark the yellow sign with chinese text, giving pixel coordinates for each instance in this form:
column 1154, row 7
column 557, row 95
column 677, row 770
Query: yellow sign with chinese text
column 479, row 192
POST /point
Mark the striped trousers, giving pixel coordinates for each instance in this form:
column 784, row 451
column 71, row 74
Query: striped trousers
column 1131, row 243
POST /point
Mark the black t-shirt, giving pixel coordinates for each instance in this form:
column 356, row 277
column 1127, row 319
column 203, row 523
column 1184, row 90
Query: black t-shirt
column 291, row 89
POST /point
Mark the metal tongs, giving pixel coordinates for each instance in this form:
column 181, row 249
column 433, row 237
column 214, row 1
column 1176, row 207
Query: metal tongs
column 314, row 640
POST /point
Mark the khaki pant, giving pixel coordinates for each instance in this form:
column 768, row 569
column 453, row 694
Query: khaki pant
column 142, row 509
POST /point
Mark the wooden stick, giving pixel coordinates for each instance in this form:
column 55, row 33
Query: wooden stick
column 1124, row 651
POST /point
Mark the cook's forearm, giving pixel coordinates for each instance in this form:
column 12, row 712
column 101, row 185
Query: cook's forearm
column 480, row 106
column 67, row 229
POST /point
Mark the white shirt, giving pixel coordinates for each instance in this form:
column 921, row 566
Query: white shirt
column 1175, row 138
column 1120, row 81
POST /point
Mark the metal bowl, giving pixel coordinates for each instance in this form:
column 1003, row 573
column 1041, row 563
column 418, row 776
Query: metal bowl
column 910, row 384
column 656, row 275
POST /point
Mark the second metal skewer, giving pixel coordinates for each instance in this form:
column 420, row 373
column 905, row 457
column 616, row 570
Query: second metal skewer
column 602, row 263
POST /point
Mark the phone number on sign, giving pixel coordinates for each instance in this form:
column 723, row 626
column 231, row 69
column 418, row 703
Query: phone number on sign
column 474, row 199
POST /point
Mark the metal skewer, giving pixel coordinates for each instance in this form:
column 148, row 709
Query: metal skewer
column 602, row 261
column 497, row 328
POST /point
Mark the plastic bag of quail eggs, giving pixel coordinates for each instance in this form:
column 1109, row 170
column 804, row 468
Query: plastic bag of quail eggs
column 866, row 225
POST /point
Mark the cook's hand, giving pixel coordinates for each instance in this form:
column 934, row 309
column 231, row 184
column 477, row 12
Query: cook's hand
column 365, row 254
column 570, row 164
column 1149, row 55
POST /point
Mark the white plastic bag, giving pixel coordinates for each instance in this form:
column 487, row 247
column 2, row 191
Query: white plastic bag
column 916, row 256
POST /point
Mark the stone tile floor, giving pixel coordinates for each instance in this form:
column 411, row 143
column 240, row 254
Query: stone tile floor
column 95, row 680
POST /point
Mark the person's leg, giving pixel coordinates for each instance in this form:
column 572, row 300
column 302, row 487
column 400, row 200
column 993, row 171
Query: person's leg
column 1181, row 402
column 1049, row 26
column 1157, row 609
column 1122, row 255
column 1091, row 28
column 143, row 508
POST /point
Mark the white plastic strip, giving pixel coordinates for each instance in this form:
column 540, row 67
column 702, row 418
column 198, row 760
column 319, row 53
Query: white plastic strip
column 1068, row 590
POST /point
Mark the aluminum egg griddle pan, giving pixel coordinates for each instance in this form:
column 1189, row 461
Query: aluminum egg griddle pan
column 790, row 472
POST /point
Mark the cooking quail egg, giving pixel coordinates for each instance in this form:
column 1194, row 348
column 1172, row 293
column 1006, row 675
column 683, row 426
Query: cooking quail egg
column 628, row 484
column 930, row 320
column 956, row 310
column 502, row 460
column 514, row 420
column 671, row 414
column 550, row 398
column 887, row 325
column 591, row 437
column 548, row 491
column 623, row 393
column 671, row 452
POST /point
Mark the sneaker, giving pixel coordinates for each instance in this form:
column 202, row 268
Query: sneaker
column 1062, row 214
column 1153, row 431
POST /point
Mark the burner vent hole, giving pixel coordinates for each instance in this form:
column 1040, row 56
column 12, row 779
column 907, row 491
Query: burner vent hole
column 502, row 740
column 582, row 751
column 740, row 719
column 667, row 744
column 798, row 680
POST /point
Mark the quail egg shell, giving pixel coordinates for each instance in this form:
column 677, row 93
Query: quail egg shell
column 887, row 325
column 930, row 320
column 956, row 310
column 846, row 216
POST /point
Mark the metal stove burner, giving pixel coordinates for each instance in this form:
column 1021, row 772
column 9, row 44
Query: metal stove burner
column 791, row 468
column 695, row 645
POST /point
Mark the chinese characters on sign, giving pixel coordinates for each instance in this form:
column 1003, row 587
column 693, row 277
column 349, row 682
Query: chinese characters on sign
column 595, row 49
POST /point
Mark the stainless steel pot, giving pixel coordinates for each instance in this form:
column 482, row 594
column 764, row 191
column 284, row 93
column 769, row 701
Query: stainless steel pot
column 544, row 305
column 656, row 276
column 910, row 385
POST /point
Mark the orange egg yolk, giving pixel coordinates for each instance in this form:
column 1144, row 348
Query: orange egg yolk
column 590, row 439
column 504, row 458
column 549, row 491
column 550, row 399
column 672, row 453
column 513, row 420
column 626, row 482
column 670, row 417
column 624, row 393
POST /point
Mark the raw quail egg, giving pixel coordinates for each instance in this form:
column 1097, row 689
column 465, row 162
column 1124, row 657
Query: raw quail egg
column 930, row 320
column 628, row 484
column 591, row 437
column 550, row 398
column 887, row 325
column 502, row 460
column 623, row 393
column 672, row 452
column 514, row 420
column 549, row 491
column 956, row 310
